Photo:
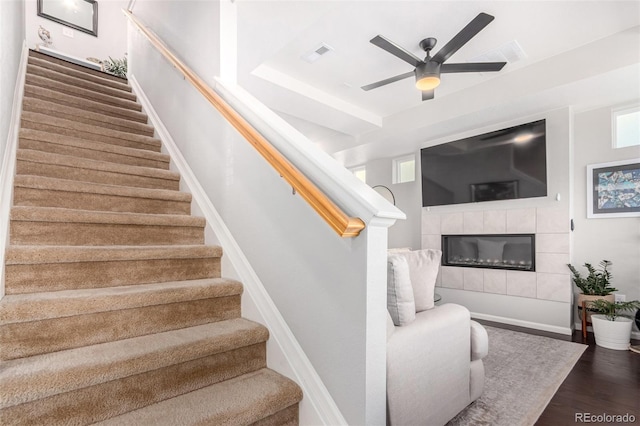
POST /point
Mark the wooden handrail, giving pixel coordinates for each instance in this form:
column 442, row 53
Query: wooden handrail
column 343, row 224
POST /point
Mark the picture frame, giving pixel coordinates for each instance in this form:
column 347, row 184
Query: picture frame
column 81, row 15
column 613, row 189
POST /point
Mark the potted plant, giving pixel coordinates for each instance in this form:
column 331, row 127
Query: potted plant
column 611, row 328
column 596, row 286
column 117, row 67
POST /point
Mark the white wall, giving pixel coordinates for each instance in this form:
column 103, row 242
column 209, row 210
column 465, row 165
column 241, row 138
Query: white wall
column 330, row 290
column 112, row 32
column 11, row 40
column 615, row 239
column 192, row 28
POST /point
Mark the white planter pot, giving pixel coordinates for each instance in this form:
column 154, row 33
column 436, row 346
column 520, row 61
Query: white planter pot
column 612, row 334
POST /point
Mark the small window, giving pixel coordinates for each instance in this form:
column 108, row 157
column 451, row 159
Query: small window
column 360, row 172
column 404, row 169
column 626, row 127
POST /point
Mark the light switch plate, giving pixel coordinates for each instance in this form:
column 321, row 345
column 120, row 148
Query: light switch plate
column 67, row 32
column 620, row 297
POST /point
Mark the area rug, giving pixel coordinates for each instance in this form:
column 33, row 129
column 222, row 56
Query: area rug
column 522, row 373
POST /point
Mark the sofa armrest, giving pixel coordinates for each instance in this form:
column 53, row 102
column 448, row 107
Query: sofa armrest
column 428, row 367
column 479, row 341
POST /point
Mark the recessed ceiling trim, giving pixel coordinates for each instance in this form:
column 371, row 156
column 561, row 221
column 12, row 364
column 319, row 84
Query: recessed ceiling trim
column 281, row 79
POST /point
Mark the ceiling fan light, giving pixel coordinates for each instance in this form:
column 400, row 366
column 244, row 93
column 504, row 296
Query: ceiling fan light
column 428, row 82
column 427, row 75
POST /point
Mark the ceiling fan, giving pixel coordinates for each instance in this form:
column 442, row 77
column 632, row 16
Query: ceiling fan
column 427, row 72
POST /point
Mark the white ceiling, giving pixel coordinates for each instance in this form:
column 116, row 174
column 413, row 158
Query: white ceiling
column 577, row 53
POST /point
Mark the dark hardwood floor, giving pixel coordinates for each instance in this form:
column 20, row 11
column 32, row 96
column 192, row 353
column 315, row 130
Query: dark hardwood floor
column 603, row 381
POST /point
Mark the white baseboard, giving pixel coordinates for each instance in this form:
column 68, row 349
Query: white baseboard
column 526, row 324
column 9, row 161
column 317, row 406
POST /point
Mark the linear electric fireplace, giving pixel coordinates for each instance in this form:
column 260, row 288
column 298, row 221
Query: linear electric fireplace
column 504, row 251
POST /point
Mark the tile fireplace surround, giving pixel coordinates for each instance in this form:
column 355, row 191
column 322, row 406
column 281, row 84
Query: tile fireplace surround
column 550, row 281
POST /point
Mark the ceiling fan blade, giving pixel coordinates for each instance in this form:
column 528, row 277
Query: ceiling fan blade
column 388, row 80
column 472, row 67
column 396, row 50
column 428, row 94
column 460, row 39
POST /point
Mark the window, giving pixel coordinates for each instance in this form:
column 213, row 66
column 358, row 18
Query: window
column 626, row 126
column 404, row 169
column 360, row 172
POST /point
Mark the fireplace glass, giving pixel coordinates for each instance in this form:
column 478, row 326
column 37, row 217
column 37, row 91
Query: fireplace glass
column 510, row 251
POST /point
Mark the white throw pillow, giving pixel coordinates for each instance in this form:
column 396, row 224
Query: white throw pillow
column 398, row 250
column 400, row 302
column 423, row 270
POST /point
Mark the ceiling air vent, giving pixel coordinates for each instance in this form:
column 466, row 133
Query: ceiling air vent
column 509, row 52
column 316, row 53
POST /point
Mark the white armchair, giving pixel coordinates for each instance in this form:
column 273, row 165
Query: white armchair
column 434, row 362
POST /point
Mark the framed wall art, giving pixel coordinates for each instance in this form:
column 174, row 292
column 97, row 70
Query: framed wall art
column 613, row 189
column 81, row 15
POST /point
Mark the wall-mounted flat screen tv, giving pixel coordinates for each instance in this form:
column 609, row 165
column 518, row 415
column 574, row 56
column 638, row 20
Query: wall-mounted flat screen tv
column 502, row 165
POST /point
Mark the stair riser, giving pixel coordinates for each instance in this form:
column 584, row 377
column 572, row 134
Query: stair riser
column 44, row 94
column 287, row 417
column 100, row 402
column 92, row 154
column 95, row 176
column 81, row 83
column 87, row 135
column 80, row 116
column 79, row 74
column 68, row 89
column 67, row 276
column 96, row 234
column 76, row 67
column 39, row 337
column 35, row 197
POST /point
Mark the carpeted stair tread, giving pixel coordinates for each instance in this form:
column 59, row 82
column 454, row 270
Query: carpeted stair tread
column 244, row 400
column 68, row 89
column 122, row 85
column 70, row 65
column 19, row 308
column 52, row 184
column 37, row 337
column 60, row 226
column 38, row 163
column 59, row 98
column 86, row 117
column 32, row 378
column 51, row 214
column 51, row 192
column 35, row 269
column 32, row 255
column 79, row 82
column 66, row 145
column 37, row 121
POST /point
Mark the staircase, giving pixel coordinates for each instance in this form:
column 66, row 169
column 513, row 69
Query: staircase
column 115, row 311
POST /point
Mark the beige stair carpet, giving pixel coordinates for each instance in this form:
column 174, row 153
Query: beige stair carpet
column 115, row 310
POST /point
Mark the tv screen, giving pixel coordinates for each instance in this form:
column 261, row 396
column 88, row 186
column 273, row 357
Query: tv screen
column 505, row 164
